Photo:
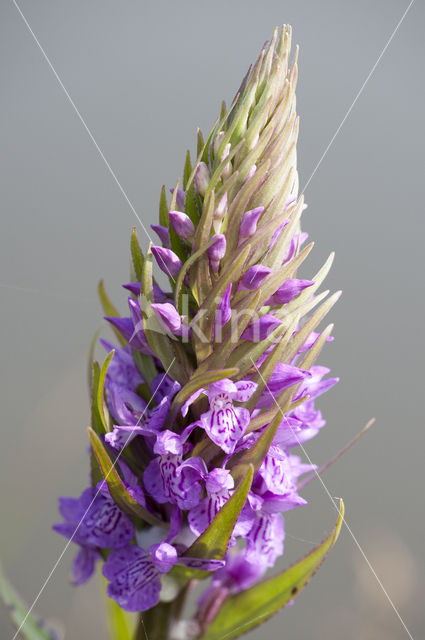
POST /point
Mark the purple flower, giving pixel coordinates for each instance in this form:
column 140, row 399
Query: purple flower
column 182, row 224
column 279, row 473
column 314, row 335
column 122, row 371
column 289, row 290
column 164, row 387
column 125, row 406
column 169, row 318
column 224, row 423
column 135, row 416
column 158, row 294
column 254, row 277
column 218, row 484
column 132, row 328
column 238, row 574
column 216, row 251
column 248, row 225
column 264, row 542
column 296, row 242
column 84, row 565
column 261, row 328
column 313, row 385
column 309, row 422
column 283, row 377
column 162, row 233
column 93, row 520
column 135, row 575
column 180, row 198
column 167, row 261
column 170, row 479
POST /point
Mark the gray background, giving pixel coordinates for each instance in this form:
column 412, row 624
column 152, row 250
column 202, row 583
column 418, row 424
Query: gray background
column 144, row 75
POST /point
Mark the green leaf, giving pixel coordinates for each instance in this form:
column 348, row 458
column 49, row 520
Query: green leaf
column 163, row 208
column 191, row 204
column 247, row 609
column 199, row 142
column 100, row 419
column 136, row 255
column 116, row 487
column 187, row 168
column 206, row 150
column 92, row 347
column 32, row 627
column 110, row 310
column 121, row 623
column 96, row 421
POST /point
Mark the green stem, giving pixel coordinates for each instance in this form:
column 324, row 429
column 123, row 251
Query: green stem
column 155, row 623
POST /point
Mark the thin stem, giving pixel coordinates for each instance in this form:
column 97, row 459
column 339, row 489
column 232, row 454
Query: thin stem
column 318, row 472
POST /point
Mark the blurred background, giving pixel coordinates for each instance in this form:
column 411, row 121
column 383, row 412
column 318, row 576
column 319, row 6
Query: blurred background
column 144, row 75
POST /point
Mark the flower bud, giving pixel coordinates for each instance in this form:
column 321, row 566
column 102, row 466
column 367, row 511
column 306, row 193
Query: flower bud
column 217, row 251
column 290, row 289
column 168, row 317
column 180, row 198
column 202, row 178
column 167, row 261
column 261, row 328
column 254, row 277
column 248, row 224
column 182, row 224
column 217, row 142
column 221, row 209
column 227, row 171
column 162, row 233
column 250, row 173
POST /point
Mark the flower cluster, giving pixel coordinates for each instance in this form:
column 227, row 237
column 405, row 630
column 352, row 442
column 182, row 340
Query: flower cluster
column 214, row 375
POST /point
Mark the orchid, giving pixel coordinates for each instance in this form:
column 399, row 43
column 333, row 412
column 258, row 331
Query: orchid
column 210, row 383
